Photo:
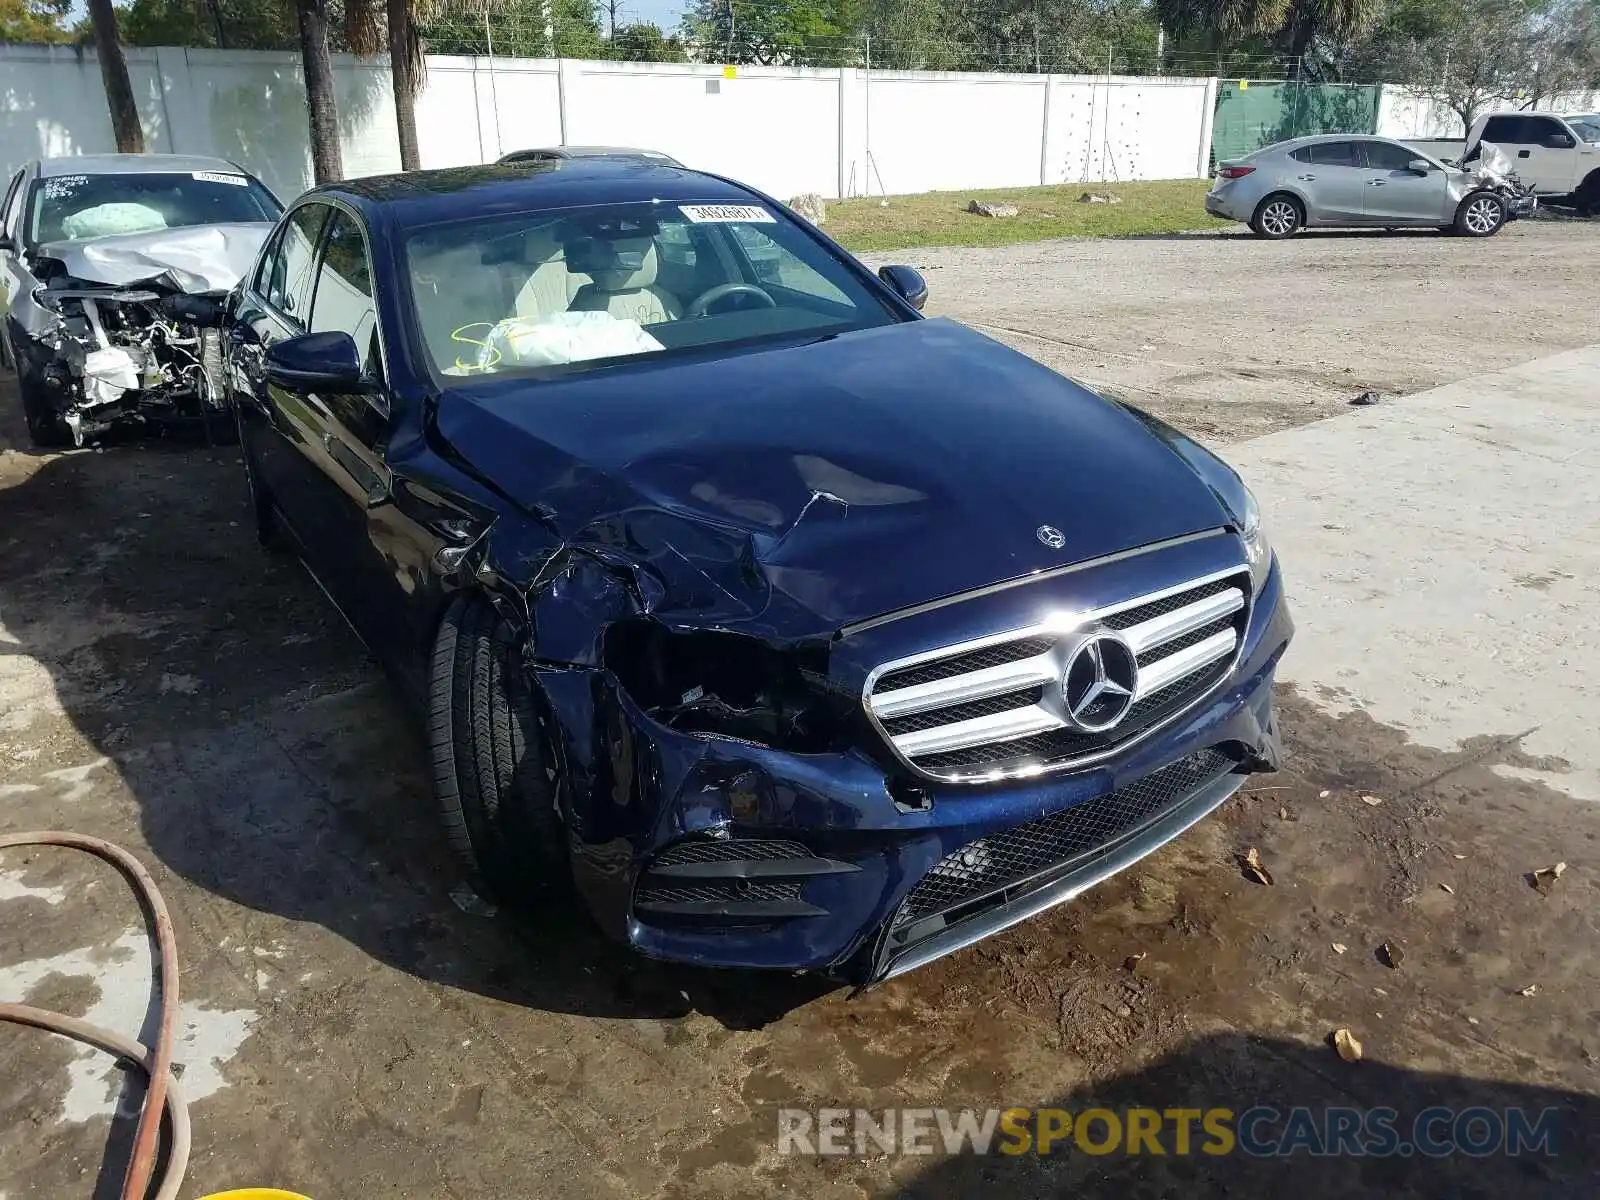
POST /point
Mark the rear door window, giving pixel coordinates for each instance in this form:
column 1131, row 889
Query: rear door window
column 289, row 283
column 1335, row 154
column 1509, row 129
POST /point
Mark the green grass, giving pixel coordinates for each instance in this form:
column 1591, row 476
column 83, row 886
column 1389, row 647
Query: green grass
column 941, row 219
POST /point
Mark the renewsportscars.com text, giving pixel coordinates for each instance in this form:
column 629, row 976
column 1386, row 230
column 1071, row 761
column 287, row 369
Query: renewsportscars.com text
column 1259, row 1131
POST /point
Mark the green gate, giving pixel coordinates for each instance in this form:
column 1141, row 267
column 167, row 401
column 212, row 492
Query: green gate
column 1251, row 115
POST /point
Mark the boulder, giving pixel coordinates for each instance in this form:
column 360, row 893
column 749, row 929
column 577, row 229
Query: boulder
column 1099, row 198
column 992, row 210
column 810, row 207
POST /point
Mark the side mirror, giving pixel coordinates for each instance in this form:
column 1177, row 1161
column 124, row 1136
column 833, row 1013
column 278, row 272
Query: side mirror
column 1420, row 166
column 6, row 243
column 1559, row 141
column 907, row 283
column 316, row 362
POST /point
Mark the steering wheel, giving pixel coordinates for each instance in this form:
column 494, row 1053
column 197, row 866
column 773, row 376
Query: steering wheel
column 702, row 302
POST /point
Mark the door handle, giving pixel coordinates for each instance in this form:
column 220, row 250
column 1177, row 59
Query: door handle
column 1376, row 182
column 1306, row 178
column 1523, row 153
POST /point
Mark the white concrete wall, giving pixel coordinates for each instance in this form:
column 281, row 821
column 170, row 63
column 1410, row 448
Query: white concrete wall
column 244, row 105
column 1128, row 128
column 933, row 131
column 774, row 127
column 1403, row 113
column 784, row 130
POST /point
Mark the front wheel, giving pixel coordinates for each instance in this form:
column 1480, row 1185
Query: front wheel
column 1480, row 215
column 1277, row 217
column 46, row 427
column 491, row 768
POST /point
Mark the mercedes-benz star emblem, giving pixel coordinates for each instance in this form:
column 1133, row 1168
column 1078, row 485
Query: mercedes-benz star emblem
column 1101, row 680
column 1051, row 536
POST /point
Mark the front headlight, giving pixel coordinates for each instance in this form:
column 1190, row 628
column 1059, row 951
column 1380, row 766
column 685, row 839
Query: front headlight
column 1257, row 551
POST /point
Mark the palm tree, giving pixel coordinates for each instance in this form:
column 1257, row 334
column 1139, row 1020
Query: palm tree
column 125, row 125
column 327, row 165
column 1293, row 26
column 371, row 25
column 392, row 25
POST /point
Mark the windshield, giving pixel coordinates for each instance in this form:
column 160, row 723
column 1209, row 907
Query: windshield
column 74, row 208
column 561, row 291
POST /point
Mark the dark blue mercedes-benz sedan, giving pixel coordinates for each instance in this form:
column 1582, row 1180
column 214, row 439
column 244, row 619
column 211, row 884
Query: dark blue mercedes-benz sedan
column 794, row 630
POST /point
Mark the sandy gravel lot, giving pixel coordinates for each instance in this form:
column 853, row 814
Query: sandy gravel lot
column 1229, row 337
column 350, row 1030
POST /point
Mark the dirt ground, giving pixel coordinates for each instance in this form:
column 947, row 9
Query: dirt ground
column 352, row 1027
column 1229, row 337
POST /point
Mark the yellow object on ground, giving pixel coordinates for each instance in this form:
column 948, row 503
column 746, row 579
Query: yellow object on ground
column 255, row 1194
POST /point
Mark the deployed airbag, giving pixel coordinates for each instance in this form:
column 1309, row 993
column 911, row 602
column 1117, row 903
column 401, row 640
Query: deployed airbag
column 104, row 220
column 548, row 341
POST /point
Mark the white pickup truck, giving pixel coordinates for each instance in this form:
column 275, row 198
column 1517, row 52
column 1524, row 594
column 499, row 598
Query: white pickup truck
column 1554, row 155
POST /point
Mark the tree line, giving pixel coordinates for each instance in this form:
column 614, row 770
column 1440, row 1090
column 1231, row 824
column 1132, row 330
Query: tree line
column 1468, row 54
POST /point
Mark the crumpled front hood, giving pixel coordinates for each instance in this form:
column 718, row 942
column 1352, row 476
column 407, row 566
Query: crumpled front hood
column 194, row 259
column 853, row 477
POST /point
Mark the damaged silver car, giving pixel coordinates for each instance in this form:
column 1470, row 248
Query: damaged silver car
column 112, row 269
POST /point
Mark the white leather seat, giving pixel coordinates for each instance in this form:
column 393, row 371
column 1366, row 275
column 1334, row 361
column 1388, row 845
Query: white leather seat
column 458, row 300
column 550, row 286
column 626, row 291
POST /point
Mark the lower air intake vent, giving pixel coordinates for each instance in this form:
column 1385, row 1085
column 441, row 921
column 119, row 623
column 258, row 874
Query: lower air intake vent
column 736, row 881
column 1051, row 844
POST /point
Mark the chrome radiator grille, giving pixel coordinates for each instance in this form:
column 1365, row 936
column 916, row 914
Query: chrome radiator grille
column 998, row 707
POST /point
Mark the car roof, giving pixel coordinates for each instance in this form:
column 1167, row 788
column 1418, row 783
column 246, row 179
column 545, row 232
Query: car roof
column 418, row 198
column 592, row 151
column 133, row 164
column 1316, row 138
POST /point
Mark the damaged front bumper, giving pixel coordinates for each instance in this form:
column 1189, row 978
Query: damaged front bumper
column 734, row 854
column 123, row 329
column 93, row 358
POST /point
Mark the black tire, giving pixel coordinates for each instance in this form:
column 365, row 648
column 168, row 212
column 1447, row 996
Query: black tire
column 1586, row 200
column 1481, row 214
column 490, row 760
column 46, row 429
column 1278, row 216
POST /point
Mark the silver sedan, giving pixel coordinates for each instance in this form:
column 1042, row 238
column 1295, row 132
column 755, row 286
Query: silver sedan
column 1348, row 180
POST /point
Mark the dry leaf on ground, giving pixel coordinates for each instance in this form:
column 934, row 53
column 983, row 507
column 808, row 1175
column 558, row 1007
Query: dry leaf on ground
column 1346, row 1044
column 1544, row 878
column 1250, row 860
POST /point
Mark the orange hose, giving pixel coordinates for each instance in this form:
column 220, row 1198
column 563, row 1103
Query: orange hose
column 126, row 1047
column 147, row 1136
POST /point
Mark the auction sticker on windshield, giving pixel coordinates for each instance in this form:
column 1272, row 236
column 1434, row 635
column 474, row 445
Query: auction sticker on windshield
column 703, row 213
column 219, row 177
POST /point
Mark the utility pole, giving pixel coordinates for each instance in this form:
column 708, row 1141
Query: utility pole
column 611, row 9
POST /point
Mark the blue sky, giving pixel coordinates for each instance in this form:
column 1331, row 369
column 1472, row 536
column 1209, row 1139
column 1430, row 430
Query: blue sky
column 665, row 13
